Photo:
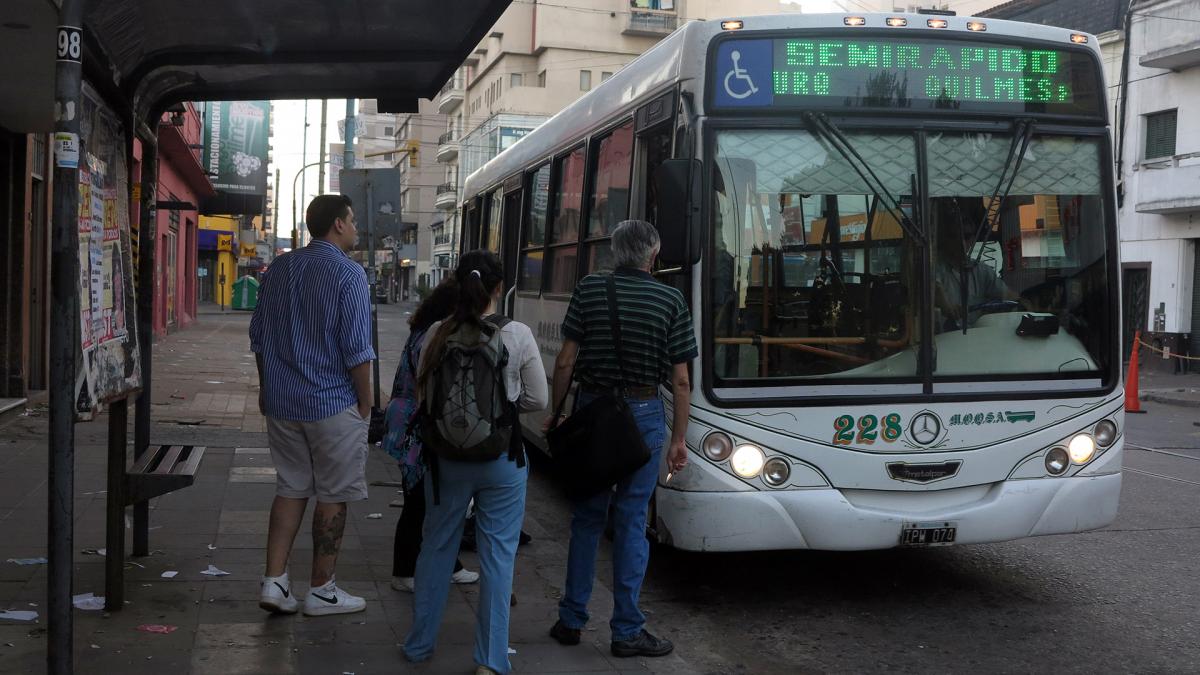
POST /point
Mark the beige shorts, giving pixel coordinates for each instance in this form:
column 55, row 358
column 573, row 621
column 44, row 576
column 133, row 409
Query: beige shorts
column 326, row 458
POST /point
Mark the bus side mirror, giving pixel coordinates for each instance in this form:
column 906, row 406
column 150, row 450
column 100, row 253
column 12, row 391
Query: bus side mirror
column 677, row 188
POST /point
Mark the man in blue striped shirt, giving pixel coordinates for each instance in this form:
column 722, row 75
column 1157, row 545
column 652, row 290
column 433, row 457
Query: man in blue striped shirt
column 311, row 336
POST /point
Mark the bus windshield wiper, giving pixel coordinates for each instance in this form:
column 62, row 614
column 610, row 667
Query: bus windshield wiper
column 831, row 133
column 1016, row 154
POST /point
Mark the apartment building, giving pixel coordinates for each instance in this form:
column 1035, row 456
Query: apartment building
column 1155, row 127
column 536, row 60
column 374, row 136
column 420, row 174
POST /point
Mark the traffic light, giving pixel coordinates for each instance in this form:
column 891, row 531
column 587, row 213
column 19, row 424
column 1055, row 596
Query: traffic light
column 414, row 147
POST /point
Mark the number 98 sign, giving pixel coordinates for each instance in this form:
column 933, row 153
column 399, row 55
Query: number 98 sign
column 70, row 47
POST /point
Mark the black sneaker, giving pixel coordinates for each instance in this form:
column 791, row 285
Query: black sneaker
column 644, row 644
column 565, row 636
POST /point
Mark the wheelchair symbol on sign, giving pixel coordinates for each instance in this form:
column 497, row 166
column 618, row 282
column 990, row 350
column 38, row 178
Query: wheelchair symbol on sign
column 739, row 73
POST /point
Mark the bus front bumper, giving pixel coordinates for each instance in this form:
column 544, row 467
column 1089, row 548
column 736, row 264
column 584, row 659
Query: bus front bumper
column 828, row 519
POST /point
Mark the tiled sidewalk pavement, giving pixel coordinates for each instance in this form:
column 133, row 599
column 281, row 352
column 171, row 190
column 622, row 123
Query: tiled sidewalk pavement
column 206, row 393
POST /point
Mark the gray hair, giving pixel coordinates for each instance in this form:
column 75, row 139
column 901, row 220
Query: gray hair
column 634, row 243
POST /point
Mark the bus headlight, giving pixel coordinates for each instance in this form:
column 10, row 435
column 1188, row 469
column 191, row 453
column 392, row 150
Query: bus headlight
column 1057, row 461
column 1081, row 448
column 776, row 471
column 1105, row 433
column 717, row 446
column 747, row 460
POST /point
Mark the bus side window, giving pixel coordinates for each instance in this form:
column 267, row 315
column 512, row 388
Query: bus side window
column 655, row 149
column 491, row 233
column 610, row 167
column 537, row 186
column 563, row 249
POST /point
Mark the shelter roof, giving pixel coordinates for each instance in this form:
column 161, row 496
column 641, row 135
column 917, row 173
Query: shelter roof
column 163, row 51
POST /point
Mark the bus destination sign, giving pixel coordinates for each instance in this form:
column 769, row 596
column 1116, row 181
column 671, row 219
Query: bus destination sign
column 820, row 72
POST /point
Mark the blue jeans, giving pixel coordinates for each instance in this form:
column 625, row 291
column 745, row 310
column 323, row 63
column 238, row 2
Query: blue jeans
column 631, row 550
column 498, row 488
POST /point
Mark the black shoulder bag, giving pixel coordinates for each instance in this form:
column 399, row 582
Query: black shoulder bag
column 599, row 444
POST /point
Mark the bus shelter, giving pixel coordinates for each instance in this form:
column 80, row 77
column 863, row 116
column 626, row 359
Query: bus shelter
column 101, row 73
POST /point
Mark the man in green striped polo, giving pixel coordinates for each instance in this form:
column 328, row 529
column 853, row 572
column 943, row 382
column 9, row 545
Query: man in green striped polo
column 657, row 342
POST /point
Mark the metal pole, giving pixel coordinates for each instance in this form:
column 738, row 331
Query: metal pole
column 303, row 160
column 114, row 526
column 147, row 239
column 372, row 275
column 296, row 225
column 64, row 343
column 322, row 150
column 348, row 154
column 275, row 220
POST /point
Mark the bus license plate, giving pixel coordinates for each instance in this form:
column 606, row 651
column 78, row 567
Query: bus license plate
column 928, row 534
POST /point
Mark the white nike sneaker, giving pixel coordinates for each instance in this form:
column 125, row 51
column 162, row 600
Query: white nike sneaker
column 464, row 576
column 404, row 584
column 329, row 599
column 277, row 595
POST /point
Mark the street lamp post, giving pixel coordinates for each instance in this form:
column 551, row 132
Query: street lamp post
column 295, row 214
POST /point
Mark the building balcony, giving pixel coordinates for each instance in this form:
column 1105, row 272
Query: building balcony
column 651, row 23
column 447, row 197
column 1174, row 55
column 447, row 149
column 451, row 97
column 1171, row 185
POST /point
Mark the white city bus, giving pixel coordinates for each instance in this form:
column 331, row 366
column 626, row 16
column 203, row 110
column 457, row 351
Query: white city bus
column 897, row 237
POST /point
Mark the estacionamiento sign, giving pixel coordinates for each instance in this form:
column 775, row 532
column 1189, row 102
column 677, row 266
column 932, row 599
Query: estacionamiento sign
column 235, row 146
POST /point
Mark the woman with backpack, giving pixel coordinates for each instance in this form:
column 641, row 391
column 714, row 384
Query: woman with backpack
column 477, row 372
column 402, row 443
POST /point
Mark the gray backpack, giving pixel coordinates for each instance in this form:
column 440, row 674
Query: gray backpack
column 466, row 414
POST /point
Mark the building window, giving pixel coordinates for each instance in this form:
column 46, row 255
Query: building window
column 389, row 132
column 585, row 80
column 604, row 76
column 1160, row 134
column 387, row 157
column 515, row 79
column 541, row 81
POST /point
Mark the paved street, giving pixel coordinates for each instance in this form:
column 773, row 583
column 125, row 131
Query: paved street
column 1122, row 599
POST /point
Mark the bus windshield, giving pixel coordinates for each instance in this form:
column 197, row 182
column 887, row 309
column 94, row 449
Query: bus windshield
column 815, row 278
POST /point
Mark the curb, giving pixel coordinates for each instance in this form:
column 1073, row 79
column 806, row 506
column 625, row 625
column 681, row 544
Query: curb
column 1168, row 399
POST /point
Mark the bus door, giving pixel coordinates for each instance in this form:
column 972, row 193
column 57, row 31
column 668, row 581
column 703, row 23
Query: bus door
column 510, row 238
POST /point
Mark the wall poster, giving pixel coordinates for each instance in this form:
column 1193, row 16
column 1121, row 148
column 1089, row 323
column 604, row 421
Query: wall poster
column 109, row 364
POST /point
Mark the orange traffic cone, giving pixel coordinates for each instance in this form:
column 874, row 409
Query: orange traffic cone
column 1132, row 403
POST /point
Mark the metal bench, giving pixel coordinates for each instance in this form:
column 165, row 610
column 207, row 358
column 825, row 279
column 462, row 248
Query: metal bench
column 160, row 470
column 155, row 472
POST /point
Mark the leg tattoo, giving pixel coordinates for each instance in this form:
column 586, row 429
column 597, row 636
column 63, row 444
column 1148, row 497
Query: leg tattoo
column 329, row 523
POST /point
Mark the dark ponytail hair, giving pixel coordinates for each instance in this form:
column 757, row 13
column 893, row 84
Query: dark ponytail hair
column 438, row 305
column 476, row 278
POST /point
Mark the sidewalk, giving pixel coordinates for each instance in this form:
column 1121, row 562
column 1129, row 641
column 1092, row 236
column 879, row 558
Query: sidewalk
column 206, row 393
column 1179, row 390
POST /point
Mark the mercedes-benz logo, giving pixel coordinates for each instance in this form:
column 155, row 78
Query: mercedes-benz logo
column 925, row 428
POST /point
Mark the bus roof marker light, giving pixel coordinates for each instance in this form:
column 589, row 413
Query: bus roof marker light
column 937, row 23
column 855, row 21
column 977, row 26
column 732, row 24
column 1079, row 38
column 896, row 21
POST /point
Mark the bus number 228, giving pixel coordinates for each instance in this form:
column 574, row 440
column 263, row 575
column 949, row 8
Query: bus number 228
column 867, row 430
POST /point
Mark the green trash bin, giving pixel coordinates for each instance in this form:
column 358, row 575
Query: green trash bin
column 245, row 293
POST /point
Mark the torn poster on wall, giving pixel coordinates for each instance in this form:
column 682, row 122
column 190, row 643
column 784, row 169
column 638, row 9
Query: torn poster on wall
column 109, row 367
